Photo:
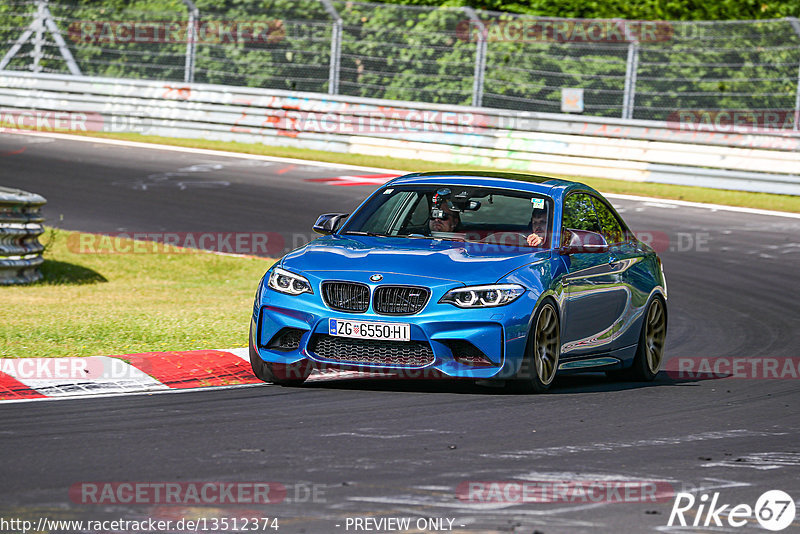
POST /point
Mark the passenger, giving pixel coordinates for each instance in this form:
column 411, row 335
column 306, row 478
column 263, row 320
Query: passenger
column 538, row 228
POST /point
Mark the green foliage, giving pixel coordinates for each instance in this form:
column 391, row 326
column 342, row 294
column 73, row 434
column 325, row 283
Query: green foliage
column 416, row 53
column 405, row 54
column 632, row 9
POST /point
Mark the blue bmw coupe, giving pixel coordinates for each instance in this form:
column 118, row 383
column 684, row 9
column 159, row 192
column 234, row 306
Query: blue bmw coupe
column 468, row 275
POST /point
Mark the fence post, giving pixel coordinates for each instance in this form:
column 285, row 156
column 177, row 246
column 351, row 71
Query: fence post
column 42, row 20
column 480, row 56
column 796, row 26
column 631, row 65
column 72, row 65
column 38, row 37
column 336, row 48
column 191, row 41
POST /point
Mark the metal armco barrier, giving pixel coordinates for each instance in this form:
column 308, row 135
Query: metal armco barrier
column 645, row 151
column 20, row 227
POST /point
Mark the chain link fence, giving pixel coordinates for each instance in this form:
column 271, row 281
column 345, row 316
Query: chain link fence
column 628, row 69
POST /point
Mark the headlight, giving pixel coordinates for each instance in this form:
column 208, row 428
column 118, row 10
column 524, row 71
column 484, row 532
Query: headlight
column 283, row 281
column 483, row 296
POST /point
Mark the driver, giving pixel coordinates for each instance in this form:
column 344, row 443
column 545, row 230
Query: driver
column 538, row 228
column 447, row 221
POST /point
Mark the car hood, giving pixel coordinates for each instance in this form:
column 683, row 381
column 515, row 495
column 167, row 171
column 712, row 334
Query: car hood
column 435, row 259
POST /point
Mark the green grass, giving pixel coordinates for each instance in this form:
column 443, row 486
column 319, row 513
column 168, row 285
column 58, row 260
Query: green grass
column 108, row 304
column 693, row 194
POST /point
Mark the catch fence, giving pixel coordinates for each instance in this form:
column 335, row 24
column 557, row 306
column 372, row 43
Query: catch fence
column 455, row 56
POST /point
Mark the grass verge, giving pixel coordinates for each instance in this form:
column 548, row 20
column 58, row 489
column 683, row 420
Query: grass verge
column 107, row 304
column 693, row 194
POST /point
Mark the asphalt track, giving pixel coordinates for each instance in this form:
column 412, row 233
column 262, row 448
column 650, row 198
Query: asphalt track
column 383, row 448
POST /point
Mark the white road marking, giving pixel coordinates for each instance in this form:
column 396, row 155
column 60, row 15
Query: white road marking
column 558, row 476
column 410, row 500
column 613, row 446
column 661, row 205
column 203, row 151
column 363, row 435
column 379, row 433
column 702, row 205
column 241, row 352
column 761, row 461
column 133, row 393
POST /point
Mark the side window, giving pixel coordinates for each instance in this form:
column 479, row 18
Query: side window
column 610, row 226
column 383, row 219
column 420, row 214
column 579, row 213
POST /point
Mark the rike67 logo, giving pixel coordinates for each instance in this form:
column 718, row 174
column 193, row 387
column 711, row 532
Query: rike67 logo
column 774, row 510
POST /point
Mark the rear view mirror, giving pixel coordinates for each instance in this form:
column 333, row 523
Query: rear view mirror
column 327, row 223
column 582, row 242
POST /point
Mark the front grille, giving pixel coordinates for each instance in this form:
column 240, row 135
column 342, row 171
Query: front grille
column 346, row 296
column 400, row 300
column 372, row 351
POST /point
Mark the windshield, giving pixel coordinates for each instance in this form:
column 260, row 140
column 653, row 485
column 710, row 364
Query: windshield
column 474, row 214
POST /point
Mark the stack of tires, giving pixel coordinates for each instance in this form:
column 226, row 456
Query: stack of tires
column 20, row 227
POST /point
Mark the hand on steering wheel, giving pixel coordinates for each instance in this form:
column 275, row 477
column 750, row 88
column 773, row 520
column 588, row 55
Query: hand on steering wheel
column 534, row 240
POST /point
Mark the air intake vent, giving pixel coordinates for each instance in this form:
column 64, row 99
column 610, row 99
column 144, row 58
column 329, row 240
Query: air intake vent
column 468, row 354
column 400, row 300
column 286, row 339
column 346, row 296
column 372, row 351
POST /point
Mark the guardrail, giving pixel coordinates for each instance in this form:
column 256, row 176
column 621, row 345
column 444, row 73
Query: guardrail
column 646, row 151
column 20, row 227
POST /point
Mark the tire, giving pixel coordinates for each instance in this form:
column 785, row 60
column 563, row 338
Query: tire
column 282, row 375
column 650, row 351
column 542, row 352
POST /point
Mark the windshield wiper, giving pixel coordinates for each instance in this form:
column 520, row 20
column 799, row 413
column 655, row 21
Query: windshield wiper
column 431, row 237
column 371, row 234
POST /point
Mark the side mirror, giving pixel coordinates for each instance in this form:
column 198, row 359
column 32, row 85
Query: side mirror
column 328, row 223
column 582, row 242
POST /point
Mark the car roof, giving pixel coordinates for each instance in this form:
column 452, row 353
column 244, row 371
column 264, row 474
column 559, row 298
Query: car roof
column 532, row 183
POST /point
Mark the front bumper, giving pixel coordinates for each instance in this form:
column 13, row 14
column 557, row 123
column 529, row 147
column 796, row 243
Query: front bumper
column 500, row 334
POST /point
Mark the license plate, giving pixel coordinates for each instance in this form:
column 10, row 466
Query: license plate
column 369, row 330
